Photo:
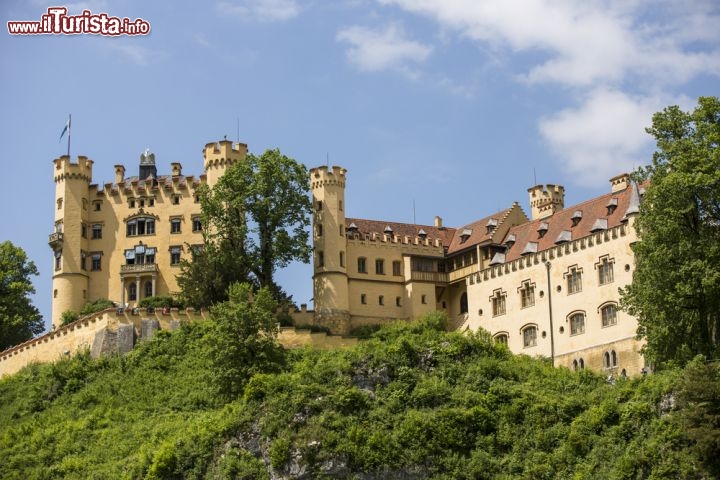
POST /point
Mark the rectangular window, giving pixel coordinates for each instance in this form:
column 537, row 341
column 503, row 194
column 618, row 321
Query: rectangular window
column 397, row 302
column 605, row 271
column 95, row 264
column 577, row 324
column 320, row 259
column 342, row 259
column 380, row 266
column 58, row 260
column 530, row 337
column 363, row 298
column 131, row 202
column 151, row 202
column 83, row 262
column 423, row 299
column 381, row 300
column 362, row 267
column 498, row 303
column 96, row 231
column 174, row 255
column 176, row 199
column 175, row 225
column 397, row 268
column 131, row 228
column 574, row 280
column 196, row 224
column 83, row 230
column 319, row 229
column 527, row 295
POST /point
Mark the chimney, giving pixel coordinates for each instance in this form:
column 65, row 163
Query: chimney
column 546, row 200
column 438, row 221
column 619, row 183
column 119, row 173
column 176, row 169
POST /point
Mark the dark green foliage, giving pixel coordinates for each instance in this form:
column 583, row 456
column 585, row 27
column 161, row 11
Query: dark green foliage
column 20, row 320
column 411, row 402
column 243, row 341
column 675, row 293
column 160, row 302
column 67, row 317
column 96, row 306
column 254, row 221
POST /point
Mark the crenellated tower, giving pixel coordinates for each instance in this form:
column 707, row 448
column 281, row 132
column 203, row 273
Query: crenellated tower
column 544, row 201
column 217, row 157
column 330, row 280
column 69, row 240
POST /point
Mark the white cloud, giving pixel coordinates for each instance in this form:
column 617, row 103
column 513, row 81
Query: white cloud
column 373, row 50
column 263, row 10
column 584, row 43
column 605, row 135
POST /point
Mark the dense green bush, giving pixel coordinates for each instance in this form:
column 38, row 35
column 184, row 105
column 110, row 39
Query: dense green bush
column 67, row 317
column 160, row 302
column 412, row 400
column 96, row 306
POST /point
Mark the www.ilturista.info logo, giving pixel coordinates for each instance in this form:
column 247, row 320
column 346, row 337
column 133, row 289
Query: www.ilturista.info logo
column 58, row 22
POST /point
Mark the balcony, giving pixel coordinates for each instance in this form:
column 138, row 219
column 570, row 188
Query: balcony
column 55, row 240
column 138, row 269
column 463, row 272
column 433, row 277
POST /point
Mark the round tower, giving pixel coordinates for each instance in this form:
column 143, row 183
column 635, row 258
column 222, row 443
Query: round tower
column 69, row 240
column 217, row 157
column 330, row 282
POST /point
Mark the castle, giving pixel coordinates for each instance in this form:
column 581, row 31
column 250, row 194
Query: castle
column 124, row 240
column 545, row 286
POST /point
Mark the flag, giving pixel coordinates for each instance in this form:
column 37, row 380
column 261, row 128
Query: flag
column 65, row 129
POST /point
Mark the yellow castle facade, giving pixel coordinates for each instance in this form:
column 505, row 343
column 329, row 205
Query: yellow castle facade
column 547, row 285
column 124, row 240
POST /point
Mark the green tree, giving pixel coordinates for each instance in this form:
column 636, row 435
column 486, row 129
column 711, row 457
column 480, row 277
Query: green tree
column 20, row 320
column 244, row 339
column 675, row 293
column 255, row 221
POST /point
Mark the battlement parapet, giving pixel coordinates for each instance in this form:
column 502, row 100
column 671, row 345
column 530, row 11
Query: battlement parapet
column 65, row 169
column 417, row 245
column 223, row 153
column 325, row 176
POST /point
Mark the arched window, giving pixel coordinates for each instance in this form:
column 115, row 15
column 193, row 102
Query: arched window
column 148, row 289
column 577, row 323
column 529, row 336
column 501, row 338
column 606, row 360
column 132, row 291
column 463, row 303
column 581, row 363
column 609, row 315
column 613, row 358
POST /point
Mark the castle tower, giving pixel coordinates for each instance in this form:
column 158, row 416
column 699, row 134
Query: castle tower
column 546, row 201
column 69, row 240
column 217, row 157
column 330, row 281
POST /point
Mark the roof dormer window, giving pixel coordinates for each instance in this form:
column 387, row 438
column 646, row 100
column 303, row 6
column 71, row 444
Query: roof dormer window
column 577, row 216
column 611, row 205
column 388, row 230
column 564, row 237
column 422, row 234
column 509, row 241
column 491, row 225
column 465, row 234
column 542, row 229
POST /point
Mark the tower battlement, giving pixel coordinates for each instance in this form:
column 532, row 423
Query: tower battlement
column 546, row 200
column 217, row 156
column 324, row 176
column 66, row 169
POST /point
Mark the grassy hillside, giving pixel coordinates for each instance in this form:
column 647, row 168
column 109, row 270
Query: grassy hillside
column 411, row 402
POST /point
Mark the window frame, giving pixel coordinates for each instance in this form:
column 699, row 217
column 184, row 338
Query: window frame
column 577, row 322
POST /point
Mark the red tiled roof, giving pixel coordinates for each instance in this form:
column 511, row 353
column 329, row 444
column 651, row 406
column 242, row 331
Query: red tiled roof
column 401, row 229
column 562, row 221
column 479, row 232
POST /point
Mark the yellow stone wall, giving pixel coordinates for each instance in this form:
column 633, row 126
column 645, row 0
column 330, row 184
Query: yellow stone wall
column 111, row 206
column 583, row 253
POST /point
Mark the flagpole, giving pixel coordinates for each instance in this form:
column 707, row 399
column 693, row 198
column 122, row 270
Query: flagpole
column 69, row 132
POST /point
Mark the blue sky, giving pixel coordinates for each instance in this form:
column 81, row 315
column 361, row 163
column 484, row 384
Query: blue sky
column 457, row 105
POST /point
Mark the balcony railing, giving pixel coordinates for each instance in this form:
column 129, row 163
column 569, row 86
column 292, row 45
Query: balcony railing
column 463, row 272
column 139, row 268
column 55, row 239
column 434, row 277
